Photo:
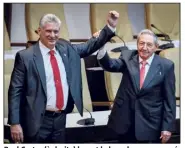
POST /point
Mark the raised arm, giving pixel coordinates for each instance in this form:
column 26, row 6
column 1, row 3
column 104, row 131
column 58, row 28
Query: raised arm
column 95, row 43
column 110, row 64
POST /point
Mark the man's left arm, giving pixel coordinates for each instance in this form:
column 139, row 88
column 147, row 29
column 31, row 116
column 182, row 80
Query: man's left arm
column 169, row 113
column 95, row 43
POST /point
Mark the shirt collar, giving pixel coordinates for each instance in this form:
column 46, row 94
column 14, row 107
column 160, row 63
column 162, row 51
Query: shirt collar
column 149, row 60
column 44, row 49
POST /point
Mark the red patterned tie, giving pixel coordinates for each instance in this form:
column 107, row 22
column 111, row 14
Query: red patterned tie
column 57, row 79
column 142, row 73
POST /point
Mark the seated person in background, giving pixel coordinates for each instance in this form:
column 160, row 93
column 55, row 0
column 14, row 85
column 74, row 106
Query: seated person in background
column 46, row 82
column 145, row 106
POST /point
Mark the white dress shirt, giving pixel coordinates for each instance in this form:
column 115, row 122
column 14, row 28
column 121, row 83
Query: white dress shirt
column 50, row 83
column 102, row 52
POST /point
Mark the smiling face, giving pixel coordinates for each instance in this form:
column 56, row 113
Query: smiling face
column 49, row 34
column 146, row 46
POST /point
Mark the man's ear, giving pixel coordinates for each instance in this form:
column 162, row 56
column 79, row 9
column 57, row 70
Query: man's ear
column 157, row 46
column 38, row 31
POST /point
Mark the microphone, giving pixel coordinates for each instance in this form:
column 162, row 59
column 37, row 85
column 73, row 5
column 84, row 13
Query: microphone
column 87, row 121
column 119, row 49
column 166, row 38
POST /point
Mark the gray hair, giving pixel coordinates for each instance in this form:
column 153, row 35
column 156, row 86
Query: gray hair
column 49, row 18
column 147, row 31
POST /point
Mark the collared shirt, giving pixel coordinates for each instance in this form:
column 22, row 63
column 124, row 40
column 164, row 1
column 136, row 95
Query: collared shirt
column 147, row 66
column 50, row 83
column 102, row 53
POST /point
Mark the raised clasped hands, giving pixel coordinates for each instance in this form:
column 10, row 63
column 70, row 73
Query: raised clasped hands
column 112, row 18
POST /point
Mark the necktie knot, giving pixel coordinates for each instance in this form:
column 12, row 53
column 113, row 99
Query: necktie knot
column 51, row 52
column 144, row 63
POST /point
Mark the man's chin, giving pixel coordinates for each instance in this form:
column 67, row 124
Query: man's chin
column 51, row 45
column 52, row 42
column 144, row 57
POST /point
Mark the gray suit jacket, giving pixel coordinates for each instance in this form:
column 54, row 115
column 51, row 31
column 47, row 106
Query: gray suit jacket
column 27, row 91
column 150, row 109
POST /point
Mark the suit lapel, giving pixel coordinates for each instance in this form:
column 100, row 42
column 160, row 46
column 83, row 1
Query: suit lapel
column 63, row 53
column 154, row 68
column 40, row 66
column 134, row 66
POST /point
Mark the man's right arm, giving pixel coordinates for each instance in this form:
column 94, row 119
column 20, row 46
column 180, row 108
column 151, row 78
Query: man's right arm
column 109, row 64
column 15, row 90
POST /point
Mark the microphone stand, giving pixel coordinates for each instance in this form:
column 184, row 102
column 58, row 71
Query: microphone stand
column 87, row 121
column 166, row 38
column 119, row 49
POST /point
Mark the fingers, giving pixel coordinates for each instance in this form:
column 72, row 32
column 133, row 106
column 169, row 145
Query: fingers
column 96, row 34
column 21, row 137
column 165, row 136
column 114, row 14
column 16, row 137
column 165, row 139
column 112, row 19
column 17, row 133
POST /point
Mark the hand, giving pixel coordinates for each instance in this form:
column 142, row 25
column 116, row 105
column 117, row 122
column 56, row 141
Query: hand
column 112, row 18
column 17, row 133
column 165, row 136
column 96, row 34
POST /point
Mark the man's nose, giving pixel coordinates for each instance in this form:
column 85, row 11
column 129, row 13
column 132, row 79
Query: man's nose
column 52, row 34
column 145, row 47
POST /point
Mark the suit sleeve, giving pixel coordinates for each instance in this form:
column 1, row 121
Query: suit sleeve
column 16, row 90
column 110, row 64
column 169, row 114
column 93, row 44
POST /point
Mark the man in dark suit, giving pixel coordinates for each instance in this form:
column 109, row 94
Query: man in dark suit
column 46, row 82
column 145, row 106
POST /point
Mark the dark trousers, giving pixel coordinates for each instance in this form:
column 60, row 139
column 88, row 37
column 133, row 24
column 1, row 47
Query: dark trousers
column 129, row 137
column 52, row 129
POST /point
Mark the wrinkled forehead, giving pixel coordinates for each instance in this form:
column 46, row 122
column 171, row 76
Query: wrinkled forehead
column 148, row 38
column 51, row 26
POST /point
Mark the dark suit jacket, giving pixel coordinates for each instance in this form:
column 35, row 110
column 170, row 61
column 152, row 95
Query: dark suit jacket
column 27, row 91
column 152, row 108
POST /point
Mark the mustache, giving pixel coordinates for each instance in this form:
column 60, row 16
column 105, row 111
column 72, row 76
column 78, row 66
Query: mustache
column 143, row 51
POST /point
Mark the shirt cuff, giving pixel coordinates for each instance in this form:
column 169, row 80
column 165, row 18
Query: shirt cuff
column 111, row 28
column 101, row 53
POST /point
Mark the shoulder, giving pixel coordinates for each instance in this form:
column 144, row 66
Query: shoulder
column 63, row 42
column 128, row 54
column 26, row 53
column 165, row 61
